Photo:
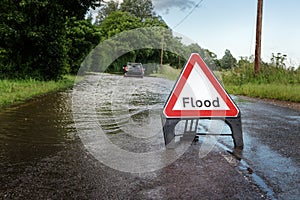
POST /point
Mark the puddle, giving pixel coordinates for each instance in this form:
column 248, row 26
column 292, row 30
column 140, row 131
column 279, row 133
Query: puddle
column 278, row 176
column 36, row 138
column 270, row 170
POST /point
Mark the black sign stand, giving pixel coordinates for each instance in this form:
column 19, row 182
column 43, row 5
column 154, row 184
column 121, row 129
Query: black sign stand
column 170, row 117
column 234, row 123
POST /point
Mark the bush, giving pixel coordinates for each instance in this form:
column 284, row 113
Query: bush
column 244, row 74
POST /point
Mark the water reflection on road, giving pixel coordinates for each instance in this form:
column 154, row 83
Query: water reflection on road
column 42, row 156
column 122, row 124
column 271, row 136
column 36, row 128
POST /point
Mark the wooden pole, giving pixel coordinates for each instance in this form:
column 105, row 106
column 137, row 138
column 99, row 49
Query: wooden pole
column 162, row 48
column 257, row 60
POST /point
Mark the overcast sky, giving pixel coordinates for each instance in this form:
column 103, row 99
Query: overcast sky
column 218, row 25
column 165, row 5
column 230, row 24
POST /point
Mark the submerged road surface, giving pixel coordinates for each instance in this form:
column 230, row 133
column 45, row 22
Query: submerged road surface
column 103, row 140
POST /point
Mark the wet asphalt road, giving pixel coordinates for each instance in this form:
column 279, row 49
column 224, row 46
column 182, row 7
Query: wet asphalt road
column 42, row 156
column 272, row 145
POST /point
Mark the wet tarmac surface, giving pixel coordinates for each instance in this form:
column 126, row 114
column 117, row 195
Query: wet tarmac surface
column 272, row 138
column 43, row 156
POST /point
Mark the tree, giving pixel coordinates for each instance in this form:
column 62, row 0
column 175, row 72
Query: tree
column 33, row 39
column 32, row 32
column 117, row 22
column 133, row 14
column 140, row 8
column 82, row 36
column 228, row 61
column 78, row 8
column 278, row 60
column 105, row 9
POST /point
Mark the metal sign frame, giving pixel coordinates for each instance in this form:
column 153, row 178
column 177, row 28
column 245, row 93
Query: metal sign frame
column 170, row 118
column 234, row 123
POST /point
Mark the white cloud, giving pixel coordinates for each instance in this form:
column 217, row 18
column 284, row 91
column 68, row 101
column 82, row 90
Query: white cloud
column 165, row 5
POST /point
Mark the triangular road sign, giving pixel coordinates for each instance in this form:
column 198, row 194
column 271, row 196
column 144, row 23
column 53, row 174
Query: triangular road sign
column 198, row 94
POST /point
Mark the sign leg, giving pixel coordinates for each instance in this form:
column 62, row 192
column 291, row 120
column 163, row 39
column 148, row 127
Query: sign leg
column 169, row 129
column 235, row 125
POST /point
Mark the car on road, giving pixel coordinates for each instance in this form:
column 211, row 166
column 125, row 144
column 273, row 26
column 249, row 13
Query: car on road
column 134, row 69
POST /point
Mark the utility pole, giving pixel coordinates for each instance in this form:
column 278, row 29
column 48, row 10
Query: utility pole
column 258, row 37
column 162, row 48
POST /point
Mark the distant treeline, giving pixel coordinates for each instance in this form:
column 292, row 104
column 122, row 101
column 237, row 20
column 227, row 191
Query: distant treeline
column 47, row 39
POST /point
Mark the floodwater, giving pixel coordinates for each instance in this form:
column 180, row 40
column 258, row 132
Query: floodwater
column 36, row 129
column 46, row 148
column 272, row 137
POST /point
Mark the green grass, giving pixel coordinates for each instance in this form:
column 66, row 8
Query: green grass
column 167, row 72
column 273, row 82
column 269, row 91
column 15, row 91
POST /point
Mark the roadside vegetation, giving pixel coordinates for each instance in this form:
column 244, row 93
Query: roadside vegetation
column 15, row 91
column 275, row 80
column 38, row 50
column 167, row 72
column 37, row 57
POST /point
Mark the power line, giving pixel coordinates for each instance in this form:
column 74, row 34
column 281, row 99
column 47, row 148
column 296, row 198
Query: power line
column 183, row 19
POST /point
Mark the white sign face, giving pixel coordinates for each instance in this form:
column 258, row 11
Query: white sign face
column 198, row 93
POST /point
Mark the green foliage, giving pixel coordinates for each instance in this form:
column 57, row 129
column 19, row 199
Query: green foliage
column 150, row 68
column 32, row 33
column 274, row 81
column 227, row 61
column 105, row 9
column 278, row 60
column 212, row 59
column 167, row 72
column 175, row 52
column 33, row 37
column 290, row 92
column 77, row 8
column 13, row 91
column 118, row 22
column 270, row 73
column 125, row 48
column 82, row 37
column 142, row 9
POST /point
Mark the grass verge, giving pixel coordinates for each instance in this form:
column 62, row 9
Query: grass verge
column 285, row 88
column 274, row 82
column 15, row 91
column 269, row 91
column 167, row 72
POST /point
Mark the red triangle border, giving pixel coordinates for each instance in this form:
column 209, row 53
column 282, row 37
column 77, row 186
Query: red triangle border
column 168, row 108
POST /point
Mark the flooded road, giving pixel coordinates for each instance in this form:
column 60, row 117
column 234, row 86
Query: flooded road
column 49, row 148
column 272, row 138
